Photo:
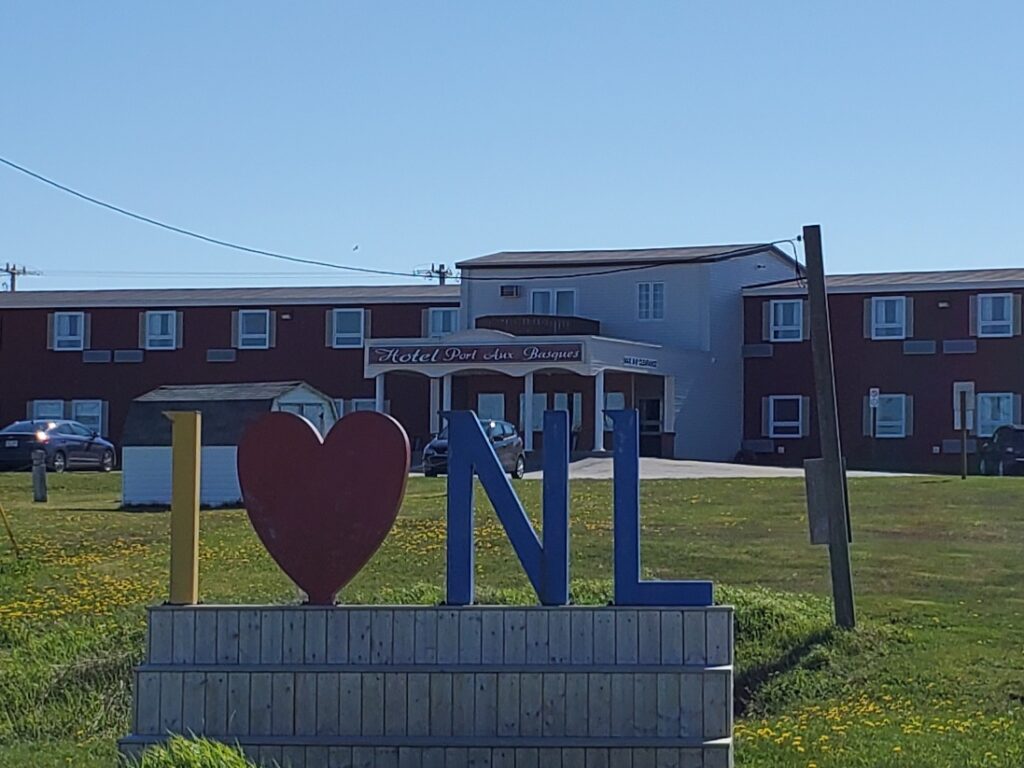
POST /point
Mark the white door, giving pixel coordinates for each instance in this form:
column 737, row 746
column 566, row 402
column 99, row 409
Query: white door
column 490, row 406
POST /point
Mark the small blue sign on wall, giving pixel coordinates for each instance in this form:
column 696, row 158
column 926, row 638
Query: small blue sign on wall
column 546, row 562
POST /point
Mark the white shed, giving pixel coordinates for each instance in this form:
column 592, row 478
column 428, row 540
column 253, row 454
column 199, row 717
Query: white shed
column 227, row 409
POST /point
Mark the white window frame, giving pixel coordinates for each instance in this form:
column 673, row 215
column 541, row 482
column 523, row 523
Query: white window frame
column 777, row 330
column 890, row 429
column 38, row 405
column 651, row 311
column 363, row 404
column 773, row 424
column 986, row 299
column 151, row 340
column 347, row 340
column 987, row 428
column 878, row 328
column 68, row 342
column 442, row 312
column 263, row 339
column 552, row 294
column 99, row 404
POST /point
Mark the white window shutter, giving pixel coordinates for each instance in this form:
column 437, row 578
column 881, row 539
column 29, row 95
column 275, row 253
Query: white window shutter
column 87, row 331
column 104, row 418
column 805, row 416
column 974, row 315
column 908, row 415
column 1016, row 315
column 69, row 409
column 366, row 324
column 29, row 408
column 329, row 328
column 272, row 329
column 766, row 427
column 1016, row 409
column 179, row 329
column 867, row 318
column 805, row 319
column 866, row 411
column 49, row 331
column 142, row 330
column 234, row 329
column 908, row 308
column 766, row 321
column 425, row 323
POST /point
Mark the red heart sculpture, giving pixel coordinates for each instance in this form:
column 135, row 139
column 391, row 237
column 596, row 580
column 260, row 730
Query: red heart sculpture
column 323, row 507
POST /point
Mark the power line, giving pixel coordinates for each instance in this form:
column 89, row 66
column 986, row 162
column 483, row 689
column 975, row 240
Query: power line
column 196, row 235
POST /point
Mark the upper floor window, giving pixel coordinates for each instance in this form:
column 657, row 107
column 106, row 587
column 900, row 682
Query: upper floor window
column 786, row 416
column 347, row 328
column 787, row 320
column 650, row 301
column 994, row 409
column 995, row 315
column 442, row 321
column 889, row 317
column 68, row 332
column 161, row 330
column 553, row 301
column 253, row 329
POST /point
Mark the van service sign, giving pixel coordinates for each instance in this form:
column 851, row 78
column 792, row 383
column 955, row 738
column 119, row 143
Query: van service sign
column 426, row 354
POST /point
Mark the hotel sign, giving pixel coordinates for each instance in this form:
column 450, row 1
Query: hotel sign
column 441, row 354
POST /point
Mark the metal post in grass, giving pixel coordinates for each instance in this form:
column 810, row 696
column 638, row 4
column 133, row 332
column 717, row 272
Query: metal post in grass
column 10, row 532
column 186, row 427
column 828, row 429
column 38, row 475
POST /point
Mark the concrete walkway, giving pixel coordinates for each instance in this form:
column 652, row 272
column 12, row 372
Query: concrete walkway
column 600, row 468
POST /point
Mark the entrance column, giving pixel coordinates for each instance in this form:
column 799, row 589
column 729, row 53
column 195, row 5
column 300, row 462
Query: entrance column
column 446, row 395
column 668, row 407
column 599, row 411
column 435, row 405
column 528, row 413
column 378, row 394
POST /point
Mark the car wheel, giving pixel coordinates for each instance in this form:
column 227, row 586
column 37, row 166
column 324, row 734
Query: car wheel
column 107, row 462
column 519, row 470
column 60, row 462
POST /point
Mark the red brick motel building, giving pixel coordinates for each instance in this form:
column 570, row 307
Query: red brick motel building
column 708, row 343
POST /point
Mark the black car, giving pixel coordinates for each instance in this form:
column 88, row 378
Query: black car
column 507, row 444
column 1003, row 453
column 67, row 444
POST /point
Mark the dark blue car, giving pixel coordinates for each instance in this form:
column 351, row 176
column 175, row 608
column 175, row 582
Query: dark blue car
column 67, row 444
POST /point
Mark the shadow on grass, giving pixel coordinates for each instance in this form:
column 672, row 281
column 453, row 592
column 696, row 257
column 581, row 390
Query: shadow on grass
column 749, row 681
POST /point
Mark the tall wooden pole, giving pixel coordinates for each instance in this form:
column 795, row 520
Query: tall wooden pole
column 185, row 446
column 828, row 429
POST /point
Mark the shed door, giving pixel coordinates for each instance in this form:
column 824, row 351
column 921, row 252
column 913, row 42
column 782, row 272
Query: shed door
column 312, row 411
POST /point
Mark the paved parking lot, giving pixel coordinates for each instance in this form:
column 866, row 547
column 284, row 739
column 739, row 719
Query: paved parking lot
column 599, row 468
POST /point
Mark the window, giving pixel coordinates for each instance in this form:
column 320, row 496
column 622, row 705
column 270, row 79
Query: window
column 613, row 401
column 45, row 410
column 88, row 413
column 68, row 331
column 787, row 320
column 785, row 416
column 995, row 315
column 994, row 409
column 889, row 317
column 161, row 330
column 553, row 301
column 650, row 301
column 540, row 404
column 576, row 412
column 490, row 406
column 365, row 404
column 347, row 328
column 443, row 321
column 254, row 329
column 891, row 416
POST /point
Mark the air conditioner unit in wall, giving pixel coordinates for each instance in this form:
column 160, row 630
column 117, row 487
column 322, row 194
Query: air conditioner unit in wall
column 510, row 291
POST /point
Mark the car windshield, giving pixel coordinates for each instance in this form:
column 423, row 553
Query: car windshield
column 28, row 426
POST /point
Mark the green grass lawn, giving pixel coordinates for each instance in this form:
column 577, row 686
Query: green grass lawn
column 933, row 677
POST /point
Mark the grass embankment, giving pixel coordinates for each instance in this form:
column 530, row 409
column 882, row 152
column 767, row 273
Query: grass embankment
column 934, row 676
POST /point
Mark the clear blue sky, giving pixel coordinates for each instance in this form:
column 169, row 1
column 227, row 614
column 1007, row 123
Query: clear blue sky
column 440, row 131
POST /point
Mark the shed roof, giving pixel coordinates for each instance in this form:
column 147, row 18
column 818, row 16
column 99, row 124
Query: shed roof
column 952, row 279
column 258, row 390
column 638, row 256
column 195, row 297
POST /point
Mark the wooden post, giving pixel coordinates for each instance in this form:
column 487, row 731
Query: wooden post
column 963, row 434
column 38, row 475
column 10, row 533
column 186, row 428
column 828, row 428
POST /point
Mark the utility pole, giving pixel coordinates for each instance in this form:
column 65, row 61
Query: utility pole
column 13, row 271
column 440, row 271
column 833, row 471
